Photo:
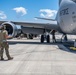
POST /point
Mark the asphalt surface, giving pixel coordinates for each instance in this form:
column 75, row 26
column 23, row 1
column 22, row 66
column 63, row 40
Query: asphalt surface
column 33, row 58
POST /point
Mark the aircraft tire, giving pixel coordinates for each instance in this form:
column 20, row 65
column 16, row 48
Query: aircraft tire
column 42, row 38
column 48, row 38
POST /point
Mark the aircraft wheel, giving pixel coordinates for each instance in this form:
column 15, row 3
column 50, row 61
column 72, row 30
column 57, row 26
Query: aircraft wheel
column 48, row 38
column 42, row 38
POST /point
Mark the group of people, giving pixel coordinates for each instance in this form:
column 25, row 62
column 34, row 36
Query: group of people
column 3, row 43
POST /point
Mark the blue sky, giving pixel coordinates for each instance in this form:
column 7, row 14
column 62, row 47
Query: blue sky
column 26, row 10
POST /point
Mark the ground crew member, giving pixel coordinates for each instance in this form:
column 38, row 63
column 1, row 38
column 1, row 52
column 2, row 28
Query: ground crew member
column 64, row 36
column 3, row 43
column 53, row 35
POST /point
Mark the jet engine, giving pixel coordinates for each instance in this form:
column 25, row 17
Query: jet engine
column 11, row 28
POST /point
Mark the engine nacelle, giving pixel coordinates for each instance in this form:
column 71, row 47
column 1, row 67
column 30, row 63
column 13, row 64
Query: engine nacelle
column 11, row 28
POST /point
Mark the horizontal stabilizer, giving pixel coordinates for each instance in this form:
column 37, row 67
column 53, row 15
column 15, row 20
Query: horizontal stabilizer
column 45, row 19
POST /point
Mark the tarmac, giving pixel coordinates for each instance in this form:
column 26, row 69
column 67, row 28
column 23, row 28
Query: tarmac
column 33, row 58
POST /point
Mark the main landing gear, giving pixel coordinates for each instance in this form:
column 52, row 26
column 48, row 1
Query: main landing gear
column 45, row 37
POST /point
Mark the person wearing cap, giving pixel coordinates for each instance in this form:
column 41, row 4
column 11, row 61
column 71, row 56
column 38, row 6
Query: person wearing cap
column 3, row 43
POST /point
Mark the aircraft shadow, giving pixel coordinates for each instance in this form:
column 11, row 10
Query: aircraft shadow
column 20, row 42
column 67, row 45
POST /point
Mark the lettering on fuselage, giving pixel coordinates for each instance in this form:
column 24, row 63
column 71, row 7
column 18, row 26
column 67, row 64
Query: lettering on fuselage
column 64, row 12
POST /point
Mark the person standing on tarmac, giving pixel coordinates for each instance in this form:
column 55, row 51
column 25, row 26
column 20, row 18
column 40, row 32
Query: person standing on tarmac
column 3, row 43
column 53, row 35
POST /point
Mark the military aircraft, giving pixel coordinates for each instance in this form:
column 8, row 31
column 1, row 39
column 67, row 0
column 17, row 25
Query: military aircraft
column 65, row 22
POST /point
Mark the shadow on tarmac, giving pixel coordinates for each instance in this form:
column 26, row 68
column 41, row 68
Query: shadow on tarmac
column 67, row 45
column 20, row 42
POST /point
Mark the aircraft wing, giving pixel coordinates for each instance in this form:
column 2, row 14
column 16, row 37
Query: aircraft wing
column 51, row 26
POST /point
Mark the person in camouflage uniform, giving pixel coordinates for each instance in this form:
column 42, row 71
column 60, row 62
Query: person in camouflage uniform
column 3, row 43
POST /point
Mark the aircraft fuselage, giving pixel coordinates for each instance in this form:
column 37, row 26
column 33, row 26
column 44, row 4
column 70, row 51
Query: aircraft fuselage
column 67, row 16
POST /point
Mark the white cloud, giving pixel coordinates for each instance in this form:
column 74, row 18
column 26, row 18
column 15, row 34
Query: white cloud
column 20, row 10
column 47, row 13
column 2, row 15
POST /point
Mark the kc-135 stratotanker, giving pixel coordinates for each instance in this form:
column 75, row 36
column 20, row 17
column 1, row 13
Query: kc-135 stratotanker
column 65, row 22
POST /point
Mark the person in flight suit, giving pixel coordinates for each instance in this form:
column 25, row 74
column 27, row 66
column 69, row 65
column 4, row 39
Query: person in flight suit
column 3, row 43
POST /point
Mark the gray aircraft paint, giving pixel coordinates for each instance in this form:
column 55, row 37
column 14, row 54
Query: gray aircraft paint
column 67, row 16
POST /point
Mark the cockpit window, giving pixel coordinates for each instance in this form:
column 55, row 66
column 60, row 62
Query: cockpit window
column 74, row 1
